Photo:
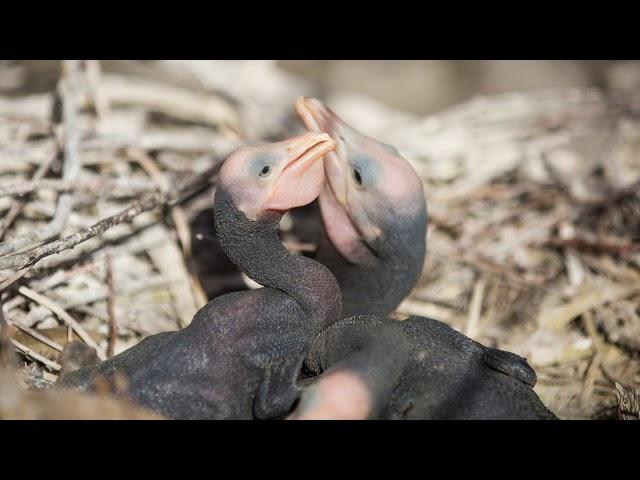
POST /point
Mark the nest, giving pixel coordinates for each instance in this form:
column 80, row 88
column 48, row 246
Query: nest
column 534, row 205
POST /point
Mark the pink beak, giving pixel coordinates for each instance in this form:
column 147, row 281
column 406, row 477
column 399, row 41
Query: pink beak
column 302, row 178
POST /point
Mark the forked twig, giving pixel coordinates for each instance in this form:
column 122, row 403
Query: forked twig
column 64, row 316
column 154, row 200
column 70, row 168
column 26, row 351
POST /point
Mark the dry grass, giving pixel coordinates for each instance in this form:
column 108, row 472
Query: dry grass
column 533, row 244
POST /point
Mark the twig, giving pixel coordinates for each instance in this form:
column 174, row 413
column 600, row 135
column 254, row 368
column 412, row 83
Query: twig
column 26, row 351
column 96, row 186
column 596, row 363
column 181, row 103
column 590, row 378
column 34, row 333
column 19, row 204
column 64, row 316
column 94, row 79
column 111, row 311
column 513, row 273
column 612, row 379
column 70, row 169
column 13, row 279
column 590, row 327
column 475, row 308
column 558, row 317
column 611, row 198
column 47, row 283
column 427, row 309
column 299, row 247
column 616, row 246
column 179, row 220
column 157, row 199
column 178, row 141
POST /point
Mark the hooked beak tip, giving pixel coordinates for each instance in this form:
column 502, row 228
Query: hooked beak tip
column 314, row 114
column 312, row 146
column 303, row 101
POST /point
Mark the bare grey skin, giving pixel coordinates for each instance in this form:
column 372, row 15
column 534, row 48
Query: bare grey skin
column 370, row 367
column 241, row 355
column 374, row 218
column 372, row 237
column 369, row 222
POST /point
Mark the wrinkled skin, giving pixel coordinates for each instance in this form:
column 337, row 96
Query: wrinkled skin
column 240, row 356
column 418, row 368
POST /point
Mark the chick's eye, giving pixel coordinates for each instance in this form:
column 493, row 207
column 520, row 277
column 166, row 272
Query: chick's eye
column 357, row 177
column 265, row 171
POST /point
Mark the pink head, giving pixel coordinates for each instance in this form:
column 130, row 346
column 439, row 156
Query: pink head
column 276, row 176
column 370, row 192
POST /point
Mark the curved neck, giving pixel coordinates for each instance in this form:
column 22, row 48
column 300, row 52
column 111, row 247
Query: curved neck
column 378, row 286
column 256, row 249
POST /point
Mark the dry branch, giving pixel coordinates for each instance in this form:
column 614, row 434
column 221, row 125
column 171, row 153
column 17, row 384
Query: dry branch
column 38, row 336
column 27, row 352
column 13, row 278
column 70, row 169
column 19, row 204
column 180, row 222
column 615, row 246
column 134, row 209
column 98, row 186
column 595, row 295
column 63, row 315
column 180, row 103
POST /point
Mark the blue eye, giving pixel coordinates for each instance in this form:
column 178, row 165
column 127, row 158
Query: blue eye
column 265, row 171
column 262, row 166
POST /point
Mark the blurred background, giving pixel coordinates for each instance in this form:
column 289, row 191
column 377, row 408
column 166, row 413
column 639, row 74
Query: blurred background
column 426, row 86
column 531, row 171
column 417, row 86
